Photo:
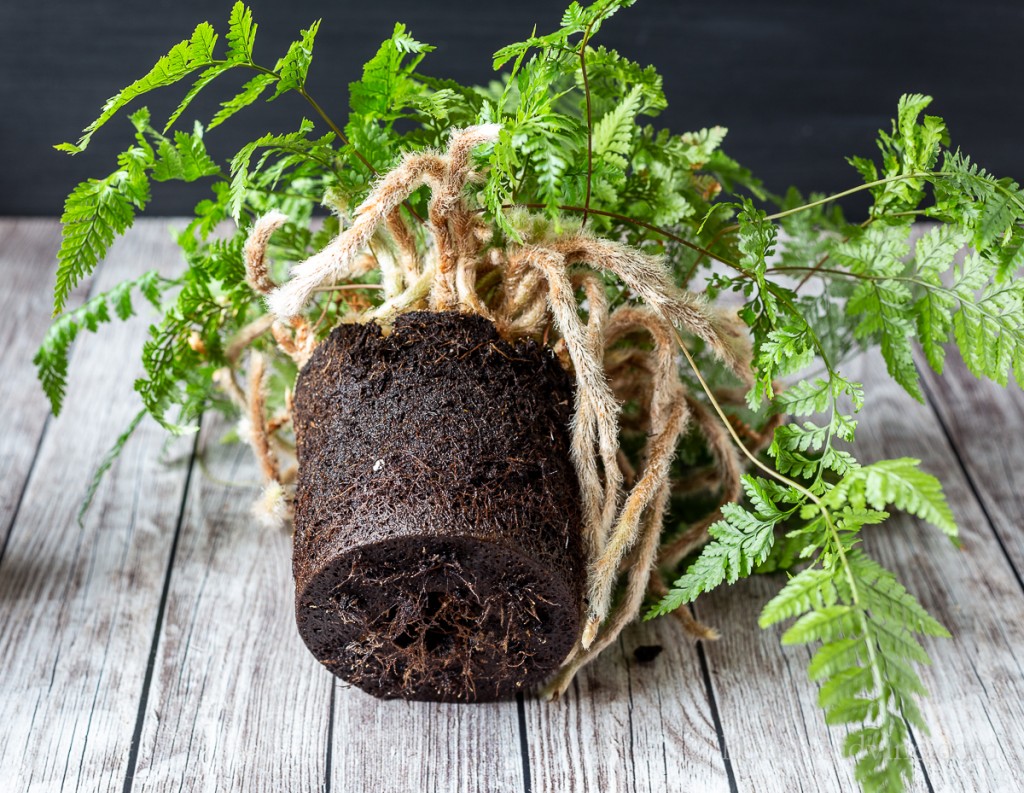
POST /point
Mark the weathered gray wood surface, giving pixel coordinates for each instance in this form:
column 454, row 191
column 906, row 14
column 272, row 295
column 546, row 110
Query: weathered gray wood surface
column 25, row 308
column 80, row 603
column 154, row 648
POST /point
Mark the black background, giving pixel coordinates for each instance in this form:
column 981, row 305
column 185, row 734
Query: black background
column 800, row 85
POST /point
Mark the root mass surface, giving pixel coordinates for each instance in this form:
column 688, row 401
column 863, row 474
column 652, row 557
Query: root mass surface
column 437, row 519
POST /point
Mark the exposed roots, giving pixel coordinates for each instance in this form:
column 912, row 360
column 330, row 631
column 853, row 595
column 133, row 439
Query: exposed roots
column 421, row 634
column 257, row 274
column 532, row 290
column 729, row 468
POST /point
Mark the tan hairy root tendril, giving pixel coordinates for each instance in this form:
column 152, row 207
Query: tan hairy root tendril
column 526, row 290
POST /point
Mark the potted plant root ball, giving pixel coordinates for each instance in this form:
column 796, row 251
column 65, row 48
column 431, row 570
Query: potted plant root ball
column 459, row 510
column 527, row 373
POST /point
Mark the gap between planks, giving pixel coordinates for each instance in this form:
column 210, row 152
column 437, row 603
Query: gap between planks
column 78, row 600
column 613, row 699
column 27, row 247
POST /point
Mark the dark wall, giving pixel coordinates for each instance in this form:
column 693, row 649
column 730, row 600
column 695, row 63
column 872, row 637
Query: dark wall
column 799, row 84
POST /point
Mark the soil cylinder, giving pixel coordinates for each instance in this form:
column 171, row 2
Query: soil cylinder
column 437, row 551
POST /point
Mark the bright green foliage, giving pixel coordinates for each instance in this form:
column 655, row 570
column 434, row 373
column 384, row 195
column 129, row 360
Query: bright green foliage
column 576, row 21
column 250, row 92
column 862, row 618
column 96, row 212
column 866, row 625
column 989, row 327
column 183, row 59
column 241, row 35
column 387, row 82
column 293, row 67
column 610, row 75
column 51, row 359
column 292, row 148
column 186, row 159
column 899, row 301
column 577, row 144
column 997, row 204
column 613, row 132
column 99, row 210
column 899, row 483
column 740, row 542
column 547, row 154
column 909, row 152
column 106, row 463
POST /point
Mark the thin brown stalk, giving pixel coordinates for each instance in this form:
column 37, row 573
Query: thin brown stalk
column 590, row 124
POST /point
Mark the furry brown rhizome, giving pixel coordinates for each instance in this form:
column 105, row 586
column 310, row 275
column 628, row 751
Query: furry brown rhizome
column 453, row 538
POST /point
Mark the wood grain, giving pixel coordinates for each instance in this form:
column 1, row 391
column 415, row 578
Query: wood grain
column 976, row 707
column 626, row 725
column 28, row 250
column 394, row 746
column 236, row 701
column 79, row 603
column 985, row 424
column 775, row 734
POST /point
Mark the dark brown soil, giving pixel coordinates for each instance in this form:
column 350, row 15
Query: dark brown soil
column 437, row 519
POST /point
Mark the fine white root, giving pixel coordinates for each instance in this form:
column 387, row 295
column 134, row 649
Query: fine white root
column 392, row 274
column 272, row 509
column 413, row 297
column 224, row 379
column 730, row 468
column 465, row 285
column 246, row 336
column 295, row 338
column 632, row 600
column 650, row 279
column 405, row 243
column 457, row 231
column 669, row 417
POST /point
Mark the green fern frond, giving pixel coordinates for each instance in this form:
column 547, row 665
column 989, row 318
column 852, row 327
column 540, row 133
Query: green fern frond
column 294, row 66
column 183, row 58
column 613, row 133
column 186, row 159
column 241, row 35
column 95, row 213
column 51, row 359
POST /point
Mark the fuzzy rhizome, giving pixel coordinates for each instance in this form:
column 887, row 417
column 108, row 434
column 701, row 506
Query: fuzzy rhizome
column 535, row 297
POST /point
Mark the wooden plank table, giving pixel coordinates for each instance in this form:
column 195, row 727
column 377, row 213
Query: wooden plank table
column 154, row 647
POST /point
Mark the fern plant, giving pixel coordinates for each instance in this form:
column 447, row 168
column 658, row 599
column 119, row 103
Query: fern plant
column 577, row 144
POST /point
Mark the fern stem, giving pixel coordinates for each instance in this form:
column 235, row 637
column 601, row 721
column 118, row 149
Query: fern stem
column 739, row 442
column 889, row 180
column 979, row 307
column 626, row 219
column 342, row 138
column 858, row 189
column 825, row 258
column 590, row 123
column 876, row 672
column 345, row 142
column 703, row 254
